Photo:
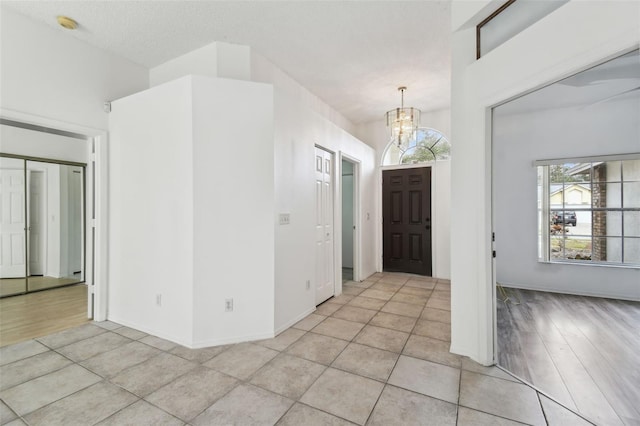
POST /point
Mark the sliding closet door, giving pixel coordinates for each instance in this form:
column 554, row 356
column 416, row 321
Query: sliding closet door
column 55, row 213
column 42, row 218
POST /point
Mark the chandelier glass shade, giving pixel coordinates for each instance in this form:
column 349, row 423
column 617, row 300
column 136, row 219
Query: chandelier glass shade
column 403, row 122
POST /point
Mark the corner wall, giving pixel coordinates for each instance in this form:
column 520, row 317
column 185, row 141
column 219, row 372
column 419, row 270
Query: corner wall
column 233, row 211
column 151, row 209
column 303, row 121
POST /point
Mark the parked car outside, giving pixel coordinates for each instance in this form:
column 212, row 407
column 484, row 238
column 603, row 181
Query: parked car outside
column 565, row 217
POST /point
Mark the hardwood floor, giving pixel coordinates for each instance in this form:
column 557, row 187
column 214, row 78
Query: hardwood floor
column 584, row 351
column 38, row 314
column 9, row 286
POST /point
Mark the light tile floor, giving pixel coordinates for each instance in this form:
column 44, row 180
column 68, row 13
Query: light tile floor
column 376, row 355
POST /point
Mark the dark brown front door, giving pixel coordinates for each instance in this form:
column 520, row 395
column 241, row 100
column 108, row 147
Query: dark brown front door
column 406, row 220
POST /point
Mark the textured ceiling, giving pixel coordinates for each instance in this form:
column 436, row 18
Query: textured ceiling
column 351, row 54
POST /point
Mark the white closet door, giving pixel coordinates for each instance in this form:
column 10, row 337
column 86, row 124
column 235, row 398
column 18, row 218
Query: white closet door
column 325, row 283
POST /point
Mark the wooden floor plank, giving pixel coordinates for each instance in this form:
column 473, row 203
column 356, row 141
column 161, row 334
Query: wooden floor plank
column 592, row 343
column 38, row 314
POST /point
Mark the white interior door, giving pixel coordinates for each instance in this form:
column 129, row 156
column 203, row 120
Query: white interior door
column 325, row 276
column 12, row 223
column 37, row 221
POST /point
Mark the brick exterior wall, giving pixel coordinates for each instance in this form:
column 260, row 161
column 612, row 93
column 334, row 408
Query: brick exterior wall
column 599, row 224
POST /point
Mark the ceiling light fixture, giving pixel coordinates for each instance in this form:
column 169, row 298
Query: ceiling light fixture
column 403, row 122
column 66, row 22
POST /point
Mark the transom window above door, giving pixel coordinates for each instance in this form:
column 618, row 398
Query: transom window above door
column 428, row 145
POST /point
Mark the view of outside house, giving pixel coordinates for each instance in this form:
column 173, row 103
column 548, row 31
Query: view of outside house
column 428, row 145
column 590, row 212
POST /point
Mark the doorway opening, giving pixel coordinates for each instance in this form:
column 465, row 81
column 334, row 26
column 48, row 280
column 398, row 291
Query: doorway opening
column 349, row 190
column 43, row 224
column 566, row 223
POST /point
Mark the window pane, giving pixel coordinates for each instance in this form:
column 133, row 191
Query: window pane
column 613, row 224
column 578, row 172
column 427, row 145
column 632, row 250
column 631, row 170
column 613, row 169
column 631, row 224
column 512, row 20
column 557, row 247
column 417, row 154
column 606, row 195
column 607, row 249
column 577, row 248
column 631, row 194
column 557, row 173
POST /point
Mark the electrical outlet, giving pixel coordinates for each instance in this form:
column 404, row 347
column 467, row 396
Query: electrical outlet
column 228, row 305
column 158, row 300
column 308, row 284
column 285, row 218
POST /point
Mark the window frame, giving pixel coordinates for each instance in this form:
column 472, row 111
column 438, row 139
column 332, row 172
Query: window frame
column 545, row 209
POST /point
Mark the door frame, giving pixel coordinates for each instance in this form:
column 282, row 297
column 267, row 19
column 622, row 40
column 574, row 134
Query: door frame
column 96, row 190
column 434, row 217
column 357, row 253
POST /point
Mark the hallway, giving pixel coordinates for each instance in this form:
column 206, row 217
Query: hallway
column 376, row 355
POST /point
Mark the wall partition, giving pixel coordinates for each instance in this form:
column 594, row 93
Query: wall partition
column 42, row 216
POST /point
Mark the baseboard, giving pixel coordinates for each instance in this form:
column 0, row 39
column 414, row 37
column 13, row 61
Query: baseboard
column 294, row 321
column 575, row 293
column 150, row 331
column 231, row 340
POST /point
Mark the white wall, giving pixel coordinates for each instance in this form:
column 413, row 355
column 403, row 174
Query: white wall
column 191, row 208
column 31, row 143
column 47, row 73
column 233, row 226
column 263, row 70
column 297, row 131
column 603, row 128
column 302, row 121
column 217, row 59
column 571, row 38
column 151, row 209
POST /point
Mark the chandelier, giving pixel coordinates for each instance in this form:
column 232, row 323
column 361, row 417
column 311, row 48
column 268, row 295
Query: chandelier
column 403, row 122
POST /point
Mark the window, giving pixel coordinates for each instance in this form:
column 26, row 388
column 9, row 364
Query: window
column 510, row 19
column 428, row 145
column 589, row 210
